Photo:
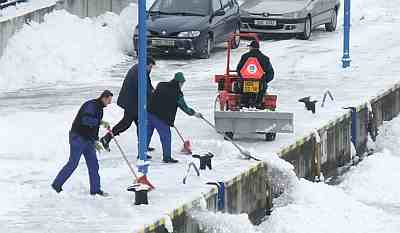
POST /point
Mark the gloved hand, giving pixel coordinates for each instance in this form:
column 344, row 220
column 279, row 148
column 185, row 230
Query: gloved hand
column 105, row 124
column 198, row 115
column 98, row 146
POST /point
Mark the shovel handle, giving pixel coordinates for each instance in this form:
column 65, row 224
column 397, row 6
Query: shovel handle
column 179, row 133
column 240, row 149
column 123, row 154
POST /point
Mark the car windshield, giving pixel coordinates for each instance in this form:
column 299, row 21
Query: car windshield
column 181, row 7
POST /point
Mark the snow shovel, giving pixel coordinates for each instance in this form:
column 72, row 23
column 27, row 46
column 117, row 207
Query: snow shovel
column 138, row 180
column 242, row 151
column 187, row 146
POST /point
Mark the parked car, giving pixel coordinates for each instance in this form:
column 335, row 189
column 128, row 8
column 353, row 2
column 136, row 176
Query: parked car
column 298, row 17
column 190, row 27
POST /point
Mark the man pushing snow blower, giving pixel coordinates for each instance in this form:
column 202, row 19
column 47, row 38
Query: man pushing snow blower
column 165, row 100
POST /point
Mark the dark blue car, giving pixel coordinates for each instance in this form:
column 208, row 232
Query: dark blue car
column 190, row 27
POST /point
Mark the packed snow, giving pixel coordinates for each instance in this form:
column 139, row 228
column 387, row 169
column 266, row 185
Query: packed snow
column 68, row 60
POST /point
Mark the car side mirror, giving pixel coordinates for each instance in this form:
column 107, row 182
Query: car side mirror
column 219, row 13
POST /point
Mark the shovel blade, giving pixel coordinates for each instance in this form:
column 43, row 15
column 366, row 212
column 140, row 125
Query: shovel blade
column 187, row 148
column 145, row 181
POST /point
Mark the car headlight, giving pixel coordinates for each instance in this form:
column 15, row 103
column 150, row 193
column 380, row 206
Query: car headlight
column 189, row 34
column 292, row 15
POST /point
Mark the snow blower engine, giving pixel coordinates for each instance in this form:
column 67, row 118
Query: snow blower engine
column 241, row 106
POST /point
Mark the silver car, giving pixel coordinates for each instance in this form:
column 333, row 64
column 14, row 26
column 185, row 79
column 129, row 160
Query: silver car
column 297, row 17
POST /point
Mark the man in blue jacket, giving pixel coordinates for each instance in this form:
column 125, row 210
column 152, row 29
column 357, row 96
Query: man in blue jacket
column 128, row 100
column 165, row 101
column 83, row 139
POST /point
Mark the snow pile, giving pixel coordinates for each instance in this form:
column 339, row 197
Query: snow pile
column 372, row 181
column 223, row 223
column 65, row 48
column 123, row 26
column 318, row 207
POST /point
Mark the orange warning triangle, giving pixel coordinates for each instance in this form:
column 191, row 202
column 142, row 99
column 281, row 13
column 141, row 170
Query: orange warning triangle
column 252, row 69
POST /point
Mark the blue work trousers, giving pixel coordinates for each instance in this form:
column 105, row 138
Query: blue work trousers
column 79, row 146
column 163, row 130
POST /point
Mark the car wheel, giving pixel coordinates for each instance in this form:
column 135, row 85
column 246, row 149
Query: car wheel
column 236, row 40
column 208, row 46
column 269, row 137
column 306, row 34
column 331, row 26
column 229, row 135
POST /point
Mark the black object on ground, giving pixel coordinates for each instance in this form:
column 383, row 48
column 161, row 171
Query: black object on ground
column 310, row 104
column 205, row 160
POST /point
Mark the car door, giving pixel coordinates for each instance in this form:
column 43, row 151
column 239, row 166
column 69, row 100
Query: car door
column 229, row 18
column 327, row 6
column 330, row 6
column 217, row 23
column 317, row 12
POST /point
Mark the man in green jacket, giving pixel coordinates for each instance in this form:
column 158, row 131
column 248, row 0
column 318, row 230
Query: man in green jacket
column 165, row 100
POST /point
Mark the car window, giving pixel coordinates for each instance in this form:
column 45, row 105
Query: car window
column 200, row 7
column 216, row 5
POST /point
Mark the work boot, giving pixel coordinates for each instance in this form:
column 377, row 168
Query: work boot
column 150, row 149
column 170, row 160
column 105, row 141
column 56, row 188
column 100, row 193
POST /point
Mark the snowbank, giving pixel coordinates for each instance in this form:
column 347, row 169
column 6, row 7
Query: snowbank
column 65, row 48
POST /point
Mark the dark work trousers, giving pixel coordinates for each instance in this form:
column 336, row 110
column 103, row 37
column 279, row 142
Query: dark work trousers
column 79, row 146
column 125, row 123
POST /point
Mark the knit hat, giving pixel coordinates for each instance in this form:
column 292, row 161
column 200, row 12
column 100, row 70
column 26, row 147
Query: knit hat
column 106, row 94
column 179, row 77
column 254, row 44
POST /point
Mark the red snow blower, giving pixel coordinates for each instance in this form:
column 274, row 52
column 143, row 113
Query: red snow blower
column 239, row 108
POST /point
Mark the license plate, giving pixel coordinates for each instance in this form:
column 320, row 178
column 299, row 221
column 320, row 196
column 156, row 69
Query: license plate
column 251, row 87
column 265, row 22
column 167, row 43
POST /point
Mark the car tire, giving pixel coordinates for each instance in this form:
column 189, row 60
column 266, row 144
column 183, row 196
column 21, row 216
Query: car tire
column 236, row 42
column 306, row 34
column 269, row 137
column 331, row 26
column 229, row 136
column 206, row 50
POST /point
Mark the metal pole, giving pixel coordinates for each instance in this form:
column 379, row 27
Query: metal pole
column 142, row 105
column 346, row 38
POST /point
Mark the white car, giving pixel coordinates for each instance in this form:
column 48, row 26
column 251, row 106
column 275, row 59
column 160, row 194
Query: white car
column 297, row 17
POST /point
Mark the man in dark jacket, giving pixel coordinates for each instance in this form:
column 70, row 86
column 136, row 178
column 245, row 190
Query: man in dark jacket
column 128, row 100
column 83, row 138
column 164, row 103
column 264, row 62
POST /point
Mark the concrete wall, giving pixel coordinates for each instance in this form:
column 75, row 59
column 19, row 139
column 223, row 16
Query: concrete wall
column 92, row 8
column 10, row 26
